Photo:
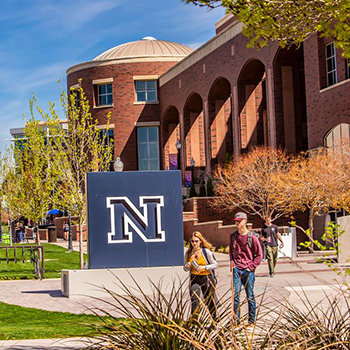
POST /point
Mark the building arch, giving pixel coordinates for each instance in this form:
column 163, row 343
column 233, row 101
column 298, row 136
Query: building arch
column 338, row 136
column 170, row 136
column 194, row 134
column 252, row 104
column 220, row 121
column 290, row 99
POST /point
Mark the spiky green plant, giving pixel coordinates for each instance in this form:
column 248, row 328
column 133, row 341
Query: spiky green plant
column 163, row 320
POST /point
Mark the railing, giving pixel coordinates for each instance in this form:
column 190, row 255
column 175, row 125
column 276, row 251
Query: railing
column 36, row 256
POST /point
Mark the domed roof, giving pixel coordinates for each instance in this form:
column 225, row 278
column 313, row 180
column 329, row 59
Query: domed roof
column 147, row 47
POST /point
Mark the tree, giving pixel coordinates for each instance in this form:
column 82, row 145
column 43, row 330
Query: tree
column 9, row 189
column 289, row 22
column 37, row 175
column 313, row 183
column 81, row 149
column 251, row 183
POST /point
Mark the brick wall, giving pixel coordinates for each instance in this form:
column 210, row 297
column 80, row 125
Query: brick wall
column 217, row 234
column 124, row 113
column 331, row 106
column 204, row 211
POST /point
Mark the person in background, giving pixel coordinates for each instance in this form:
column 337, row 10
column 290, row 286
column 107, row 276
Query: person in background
column 201, row 263
column 245, row 257
column 270, row 235
column 19, row 231
column 66, row 230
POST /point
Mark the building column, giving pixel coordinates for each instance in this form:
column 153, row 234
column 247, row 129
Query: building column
column 270, row 102
column 183, row 143
column 236, row 128
column 207, row 138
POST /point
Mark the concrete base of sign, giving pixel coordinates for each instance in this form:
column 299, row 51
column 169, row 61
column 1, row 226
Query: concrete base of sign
column 91, row 283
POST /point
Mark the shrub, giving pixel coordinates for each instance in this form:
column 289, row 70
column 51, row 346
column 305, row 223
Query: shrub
column 210, row 188
column 193, row 192
column 202, row 191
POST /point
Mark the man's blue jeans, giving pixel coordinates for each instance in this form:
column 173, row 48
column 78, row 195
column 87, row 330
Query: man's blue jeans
column 246, row 278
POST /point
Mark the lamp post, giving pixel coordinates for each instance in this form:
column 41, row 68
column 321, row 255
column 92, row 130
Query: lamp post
column 192, row 163
column 118, row 164
column 178, row 147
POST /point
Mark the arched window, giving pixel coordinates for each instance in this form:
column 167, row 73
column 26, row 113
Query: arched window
column 338, row 136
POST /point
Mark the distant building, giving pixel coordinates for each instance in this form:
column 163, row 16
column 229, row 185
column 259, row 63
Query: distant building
column 217, row 101
column 19, row 137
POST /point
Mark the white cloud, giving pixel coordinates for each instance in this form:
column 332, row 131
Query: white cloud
column 59, row 16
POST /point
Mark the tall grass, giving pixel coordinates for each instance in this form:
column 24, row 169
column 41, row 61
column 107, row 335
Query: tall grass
column 162, row 320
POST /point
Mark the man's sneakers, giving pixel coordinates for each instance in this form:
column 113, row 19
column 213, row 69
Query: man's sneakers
column 272, row 274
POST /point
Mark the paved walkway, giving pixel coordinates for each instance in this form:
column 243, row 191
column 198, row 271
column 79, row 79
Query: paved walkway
column 304, row 271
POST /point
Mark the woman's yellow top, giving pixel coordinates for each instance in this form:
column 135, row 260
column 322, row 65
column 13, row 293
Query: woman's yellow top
column 201, row 262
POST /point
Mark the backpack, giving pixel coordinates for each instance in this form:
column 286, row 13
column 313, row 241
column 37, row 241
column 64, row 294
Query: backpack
column 249, row 241
column 212, row 272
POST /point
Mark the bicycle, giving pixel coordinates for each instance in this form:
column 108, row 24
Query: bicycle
column 35, row 259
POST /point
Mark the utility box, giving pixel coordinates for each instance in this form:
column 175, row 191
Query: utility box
column 344, row 240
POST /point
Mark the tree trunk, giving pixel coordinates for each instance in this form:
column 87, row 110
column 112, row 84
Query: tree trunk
column 311, row 230
column 81, row 245
column 10, row 230
column 37, row 238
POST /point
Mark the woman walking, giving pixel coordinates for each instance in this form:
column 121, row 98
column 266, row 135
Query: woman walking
column 201, row 263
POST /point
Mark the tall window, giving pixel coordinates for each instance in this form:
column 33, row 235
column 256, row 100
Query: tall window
column 347, row 68
column 104, row 95
column 146, row 90
column 77, row 97
column 107, row 136
column 148, row 148
column 331, row 64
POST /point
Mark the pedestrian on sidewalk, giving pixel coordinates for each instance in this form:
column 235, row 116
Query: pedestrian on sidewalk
column 245, row 257
column 201, row 263
column 270, row 234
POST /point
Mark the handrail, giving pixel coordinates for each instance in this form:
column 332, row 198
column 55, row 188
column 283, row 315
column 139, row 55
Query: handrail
column 23, row 248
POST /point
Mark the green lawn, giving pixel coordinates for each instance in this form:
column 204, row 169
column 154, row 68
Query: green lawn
column 56, row 259
column 18, row 322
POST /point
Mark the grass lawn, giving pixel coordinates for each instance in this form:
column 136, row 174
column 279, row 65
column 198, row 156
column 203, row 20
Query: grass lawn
column 56, row 259
column 18, row 322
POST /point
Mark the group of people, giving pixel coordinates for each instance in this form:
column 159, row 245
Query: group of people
column 246, row 254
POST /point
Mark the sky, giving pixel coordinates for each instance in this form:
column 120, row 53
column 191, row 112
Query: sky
column 40, row 39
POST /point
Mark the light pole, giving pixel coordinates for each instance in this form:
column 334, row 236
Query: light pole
column 178, row 147
column 192, row 163
column 118, row 164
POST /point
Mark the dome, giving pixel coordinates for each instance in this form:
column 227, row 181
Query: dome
column 146, row 47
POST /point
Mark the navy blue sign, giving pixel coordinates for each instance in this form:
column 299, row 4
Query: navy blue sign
column 135, row 219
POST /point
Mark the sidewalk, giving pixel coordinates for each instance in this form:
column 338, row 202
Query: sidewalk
column 41, row 344
column 303, row 271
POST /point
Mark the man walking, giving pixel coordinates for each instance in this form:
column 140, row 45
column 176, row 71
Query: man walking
column 245, row 257
column 270, row 235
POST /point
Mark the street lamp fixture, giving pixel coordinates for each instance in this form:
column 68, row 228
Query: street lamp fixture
column 178, row 147
column 118, row 164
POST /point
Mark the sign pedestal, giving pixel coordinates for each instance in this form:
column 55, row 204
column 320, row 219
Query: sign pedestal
column 91, row 282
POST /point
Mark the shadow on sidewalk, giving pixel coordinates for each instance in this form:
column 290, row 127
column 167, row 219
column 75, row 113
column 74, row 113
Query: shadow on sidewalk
column 56, row 293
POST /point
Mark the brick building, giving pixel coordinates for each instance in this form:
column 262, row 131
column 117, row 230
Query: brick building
column 172, row 105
